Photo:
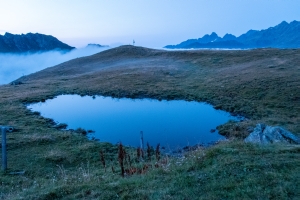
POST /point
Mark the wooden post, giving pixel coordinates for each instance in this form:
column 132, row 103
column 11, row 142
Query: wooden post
column 142, row 141
column 4, row 156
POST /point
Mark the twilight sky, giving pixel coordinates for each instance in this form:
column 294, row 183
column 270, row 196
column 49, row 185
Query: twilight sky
column 151, row 23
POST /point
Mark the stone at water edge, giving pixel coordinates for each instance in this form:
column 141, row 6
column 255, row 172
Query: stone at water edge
column 256, row 135
column 263, row 134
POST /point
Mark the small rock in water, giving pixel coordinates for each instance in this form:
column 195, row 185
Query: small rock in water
column 263, row 134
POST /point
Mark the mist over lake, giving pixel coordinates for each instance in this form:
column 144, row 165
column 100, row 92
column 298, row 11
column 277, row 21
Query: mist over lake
column 13, row 66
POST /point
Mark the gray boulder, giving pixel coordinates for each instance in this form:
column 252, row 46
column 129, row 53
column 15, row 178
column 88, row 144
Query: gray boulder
column 263, row 134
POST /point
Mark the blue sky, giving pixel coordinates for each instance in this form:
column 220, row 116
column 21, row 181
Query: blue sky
column 152, row 23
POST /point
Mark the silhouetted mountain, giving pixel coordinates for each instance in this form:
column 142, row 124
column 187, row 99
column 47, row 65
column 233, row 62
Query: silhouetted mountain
column 10, row 43
column 284, row 35
column 96, row 45
column 227, row 37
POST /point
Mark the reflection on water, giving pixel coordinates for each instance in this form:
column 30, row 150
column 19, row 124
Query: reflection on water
column 171, row 123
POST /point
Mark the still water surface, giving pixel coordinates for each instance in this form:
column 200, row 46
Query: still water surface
column 173, row 124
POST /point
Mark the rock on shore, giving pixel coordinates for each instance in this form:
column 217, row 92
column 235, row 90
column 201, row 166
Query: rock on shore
column 263, row 134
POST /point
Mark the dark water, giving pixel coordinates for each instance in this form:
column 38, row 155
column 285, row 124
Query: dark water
column 173, row 124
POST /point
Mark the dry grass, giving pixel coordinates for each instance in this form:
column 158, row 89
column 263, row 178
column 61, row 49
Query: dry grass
column 261, row 84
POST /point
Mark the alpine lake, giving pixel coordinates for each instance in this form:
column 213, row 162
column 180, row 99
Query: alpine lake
column 172, row 124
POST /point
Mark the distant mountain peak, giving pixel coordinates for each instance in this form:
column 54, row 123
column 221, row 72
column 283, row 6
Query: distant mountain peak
column 96, row 45
column 208, row 38
column 7, row 34
column 283, row 35
column 30, row 42
column 284, row 23
column 213, row 34
column 228, row 37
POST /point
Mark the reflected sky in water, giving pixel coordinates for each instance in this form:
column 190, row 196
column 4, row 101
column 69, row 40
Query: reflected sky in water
column 173, row 124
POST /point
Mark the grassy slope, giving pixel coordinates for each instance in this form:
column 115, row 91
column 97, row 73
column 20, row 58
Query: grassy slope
column 262, row 85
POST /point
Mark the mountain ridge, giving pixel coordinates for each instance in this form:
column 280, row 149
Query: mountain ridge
column 96, row 45
column 283, row 35
column 30, row 42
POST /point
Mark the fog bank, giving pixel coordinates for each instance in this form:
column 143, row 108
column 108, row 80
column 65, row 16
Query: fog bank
column 13, row 66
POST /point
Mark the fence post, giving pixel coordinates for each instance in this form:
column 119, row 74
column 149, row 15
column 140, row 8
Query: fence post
column 142, row 140
column 4, row 156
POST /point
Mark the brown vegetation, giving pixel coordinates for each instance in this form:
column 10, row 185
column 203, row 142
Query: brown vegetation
column 262, row 85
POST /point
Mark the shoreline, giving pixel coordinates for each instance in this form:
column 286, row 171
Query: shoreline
column 262, row 85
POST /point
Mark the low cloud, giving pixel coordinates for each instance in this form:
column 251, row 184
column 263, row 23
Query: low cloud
column 13, row 66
